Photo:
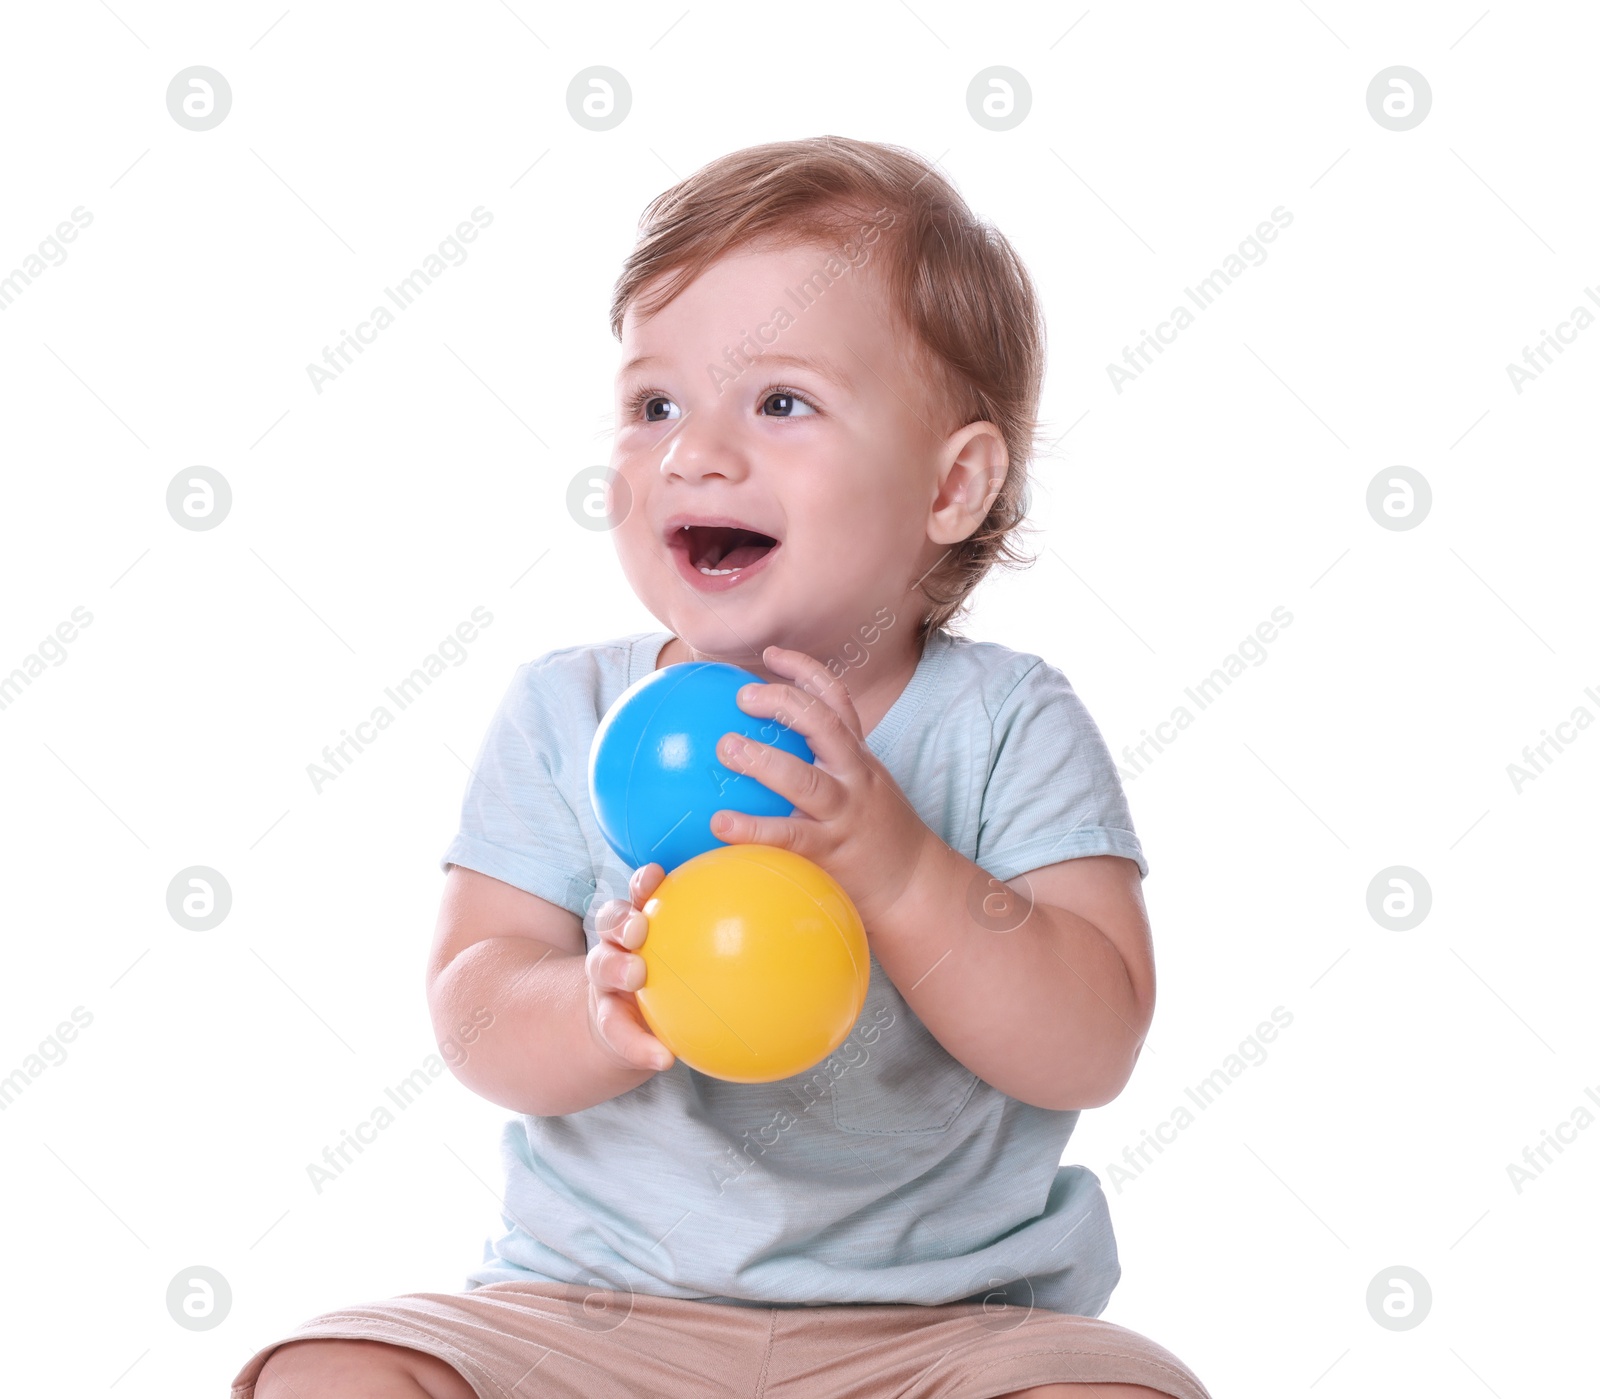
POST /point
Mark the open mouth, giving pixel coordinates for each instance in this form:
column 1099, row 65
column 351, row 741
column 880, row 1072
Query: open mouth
column 719, row 551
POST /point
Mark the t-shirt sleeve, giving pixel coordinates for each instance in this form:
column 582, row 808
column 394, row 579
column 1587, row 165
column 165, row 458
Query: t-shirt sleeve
column 516, row 823
column 1053, row 792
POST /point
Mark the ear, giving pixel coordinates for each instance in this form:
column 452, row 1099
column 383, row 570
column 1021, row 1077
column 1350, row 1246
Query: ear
column 972, row 470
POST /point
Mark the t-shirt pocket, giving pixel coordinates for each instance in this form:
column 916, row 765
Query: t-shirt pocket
column 903, row 1080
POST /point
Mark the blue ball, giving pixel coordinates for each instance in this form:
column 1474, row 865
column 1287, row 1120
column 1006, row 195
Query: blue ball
column 655, row 780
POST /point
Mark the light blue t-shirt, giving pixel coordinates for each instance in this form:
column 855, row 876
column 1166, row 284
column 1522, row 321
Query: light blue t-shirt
column 889, row 1173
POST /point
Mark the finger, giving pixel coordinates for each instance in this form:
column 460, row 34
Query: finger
column 787, row 833
column 831, row 739
column 623, row 1029
column 631, row 934
column 617, row 925
column 612, row 968
column 608, row 918
column 813, row 790
column 643, row 882
column 814, row 678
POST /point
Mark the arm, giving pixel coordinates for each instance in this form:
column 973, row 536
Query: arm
column 1052, row 1012
column 557, row 1042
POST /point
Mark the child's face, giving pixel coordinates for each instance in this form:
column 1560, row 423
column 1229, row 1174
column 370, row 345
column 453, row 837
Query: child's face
column 828, row 443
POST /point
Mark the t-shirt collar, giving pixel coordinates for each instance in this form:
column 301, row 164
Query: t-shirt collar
column 889, row 728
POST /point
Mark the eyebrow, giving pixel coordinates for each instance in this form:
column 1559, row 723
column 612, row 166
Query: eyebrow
column 825, row 368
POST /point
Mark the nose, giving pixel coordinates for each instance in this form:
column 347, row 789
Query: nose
column 701, row 448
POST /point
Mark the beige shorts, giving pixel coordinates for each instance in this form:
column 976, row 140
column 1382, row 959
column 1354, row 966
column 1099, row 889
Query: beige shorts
column 520, row 1340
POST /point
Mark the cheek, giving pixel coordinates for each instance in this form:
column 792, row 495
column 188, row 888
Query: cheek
column 645, row 568
column 853, row 539
column 626, row 457
column 636, row 480
column 630, row 536
column 633, row 538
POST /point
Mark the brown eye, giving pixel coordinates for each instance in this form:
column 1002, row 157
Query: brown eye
column 659, row 410
column 785, row 405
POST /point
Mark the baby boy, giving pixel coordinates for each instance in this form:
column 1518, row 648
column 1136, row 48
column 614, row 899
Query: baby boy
column 825, row 412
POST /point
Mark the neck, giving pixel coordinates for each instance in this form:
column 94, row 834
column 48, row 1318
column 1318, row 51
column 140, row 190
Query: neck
column 875, row 663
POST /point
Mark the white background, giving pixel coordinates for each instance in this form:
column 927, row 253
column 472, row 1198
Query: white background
column 369, row 520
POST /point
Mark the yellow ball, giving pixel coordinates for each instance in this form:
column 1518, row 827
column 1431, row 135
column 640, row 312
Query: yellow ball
column 756, row 963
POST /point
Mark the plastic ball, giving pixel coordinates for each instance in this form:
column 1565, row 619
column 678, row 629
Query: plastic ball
column 756, row 963
column 655, row 780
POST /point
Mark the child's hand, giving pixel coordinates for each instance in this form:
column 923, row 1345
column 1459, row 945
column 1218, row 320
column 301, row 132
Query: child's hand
column 615, row 971
column 850, row 815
